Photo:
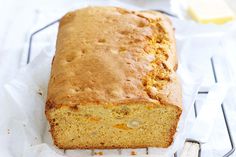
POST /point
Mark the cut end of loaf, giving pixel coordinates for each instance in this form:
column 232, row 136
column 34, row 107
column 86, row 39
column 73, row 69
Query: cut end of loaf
column 114, row 126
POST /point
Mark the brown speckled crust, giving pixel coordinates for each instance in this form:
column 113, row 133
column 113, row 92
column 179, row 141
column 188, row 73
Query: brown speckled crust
column 104, row 56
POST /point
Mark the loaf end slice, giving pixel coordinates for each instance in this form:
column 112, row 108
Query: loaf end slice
column 132, row 125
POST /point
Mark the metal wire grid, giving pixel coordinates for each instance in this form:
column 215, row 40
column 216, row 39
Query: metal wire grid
column 227, row 154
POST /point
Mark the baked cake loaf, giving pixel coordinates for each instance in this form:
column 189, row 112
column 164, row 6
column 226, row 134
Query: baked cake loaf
column 113, row 82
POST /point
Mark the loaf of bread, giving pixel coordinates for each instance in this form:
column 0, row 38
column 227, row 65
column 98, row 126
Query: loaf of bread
column 113, row 82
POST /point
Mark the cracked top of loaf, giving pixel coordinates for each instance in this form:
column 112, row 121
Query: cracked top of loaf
column 109, row 55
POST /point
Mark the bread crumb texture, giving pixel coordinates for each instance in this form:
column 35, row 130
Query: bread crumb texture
column 113, row 82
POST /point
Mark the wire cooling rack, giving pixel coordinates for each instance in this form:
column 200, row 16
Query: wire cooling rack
column 223, row 110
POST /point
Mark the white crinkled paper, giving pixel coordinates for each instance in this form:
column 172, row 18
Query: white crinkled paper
column 23, row 125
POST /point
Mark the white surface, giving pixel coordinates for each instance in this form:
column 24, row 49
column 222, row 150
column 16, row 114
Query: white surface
column 203, row 125
column 19, row 17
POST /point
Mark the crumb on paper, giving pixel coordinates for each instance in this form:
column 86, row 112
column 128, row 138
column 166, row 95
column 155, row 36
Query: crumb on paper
column 35, row 138
column 8, row 131
column 24, row 125
column 40, row 92
column 133, row 153
column 98, row 153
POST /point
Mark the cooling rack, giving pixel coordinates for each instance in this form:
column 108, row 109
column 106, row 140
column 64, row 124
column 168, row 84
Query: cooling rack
column 223, row 110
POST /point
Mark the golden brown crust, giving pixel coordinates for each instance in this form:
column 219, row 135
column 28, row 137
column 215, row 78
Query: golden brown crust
column 101, row 57
column 109, row 55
